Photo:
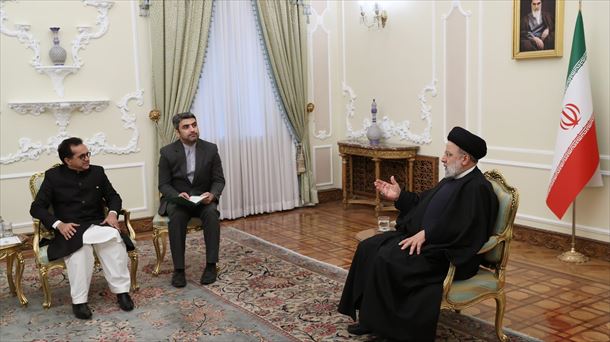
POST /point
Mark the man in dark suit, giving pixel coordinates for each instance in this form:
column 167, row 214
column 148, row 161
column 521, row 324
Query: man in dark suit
column 77, row 193
column 191, row 167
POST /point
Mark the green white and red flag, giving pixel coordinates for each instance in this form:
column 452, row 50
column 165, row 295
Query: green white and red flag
column 576, row 161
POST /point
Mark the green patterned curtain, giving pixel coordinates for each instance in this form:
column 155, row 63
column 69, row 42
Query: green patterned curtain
column 285, row 34
column 179, row 36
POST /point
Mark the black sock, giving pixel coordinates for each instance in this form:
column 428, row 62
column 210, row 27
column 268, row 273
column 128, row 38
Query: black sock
column 210, row 264
column 179, row 270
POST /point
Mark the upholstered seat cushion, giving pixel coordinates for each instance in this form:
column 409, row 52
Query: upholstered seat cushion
column 465, row 290
column 43, row 258
column 161, row 221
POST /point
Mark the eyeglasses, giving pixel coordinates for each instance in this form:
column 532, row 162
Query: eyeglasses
column 84, row 156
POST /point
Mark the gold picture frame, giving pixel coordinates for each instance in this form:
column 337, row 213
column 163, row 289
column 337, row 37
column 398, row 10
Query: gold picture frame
column 535, row 43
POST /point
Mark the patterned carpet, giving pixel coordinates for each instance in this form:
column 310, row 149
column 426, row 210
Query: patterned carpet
column 263, row 293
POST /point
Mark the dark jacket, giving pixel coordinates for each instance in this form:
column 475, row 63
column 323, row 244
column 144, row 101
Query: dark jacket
column 74, row 197
column 172, row 172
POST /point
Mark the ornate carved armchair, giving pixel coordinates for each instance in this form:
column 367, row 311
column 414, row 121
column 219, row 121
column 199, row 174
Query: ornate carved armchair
column 489, row 281
column 160, row 231
column 40, row 253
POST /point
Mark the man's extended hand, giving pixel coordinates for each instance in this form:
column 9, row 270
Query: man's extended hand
column 390, row 191
column 67, row 229
column 111, row 220
column 415, row 241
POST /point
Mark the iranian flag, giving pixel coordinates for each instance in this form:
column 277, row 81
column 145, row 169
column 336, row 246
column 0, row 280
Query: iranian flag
column 576, row 160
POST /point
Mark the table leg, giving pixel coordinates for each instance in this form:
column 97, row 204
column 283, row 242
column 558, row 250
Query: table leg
column 19, row 273
column 344, row 179
column 10, row 258
column 410, row 173
column 377, row 176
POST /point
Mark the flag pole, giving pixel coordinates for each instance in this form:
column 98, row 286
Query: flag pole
column 572, row 256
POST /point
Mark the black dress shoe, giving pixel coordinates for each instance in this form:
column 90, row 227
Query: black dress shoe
column 357, row 329
column 81, row 311
column 178, row 279
column 209, row 275
column 125, row 302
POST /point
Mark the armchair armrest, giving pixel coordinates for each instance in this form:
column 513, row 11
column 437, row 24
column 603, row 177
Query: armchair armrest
column 127, row 216
column 493, row 241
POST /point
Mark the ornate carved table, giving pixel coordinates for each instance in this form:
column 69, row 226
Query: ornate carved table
column 12, row 252
column 350, row 149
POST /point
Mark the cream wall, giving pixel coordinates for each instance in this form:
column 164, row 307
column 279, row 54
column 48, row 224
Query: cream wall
column 403, row 67
column 115, row 68
column 513, row 104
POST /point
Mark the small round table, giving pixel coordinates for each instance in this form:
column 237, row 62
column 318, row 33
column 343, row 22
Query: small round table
column 365, row 234
column 10, row 252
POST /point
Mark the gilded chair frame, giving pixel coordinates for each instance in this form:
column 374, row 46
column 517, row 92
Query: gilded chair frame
column 42, row 232
column 160, row 236
column 496, row 251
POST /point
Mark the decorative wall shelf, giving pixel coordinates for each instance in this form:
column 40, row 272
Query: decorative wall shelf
column 85, row 34
column 62, row 110
column 57, row 73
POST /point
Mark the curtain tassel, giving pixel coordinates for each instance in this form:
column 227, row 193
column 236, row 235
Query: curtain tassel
column 300, row 160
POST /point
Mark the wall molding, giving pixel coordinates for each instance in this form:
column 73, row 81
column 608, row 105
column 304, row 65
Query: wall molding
column 563, row 224
column 98, row 142
column 29, row 150
column 389, row 127
column 526, row 165
column 58, row 73
column 456, row 6
column 318, row 23
column 21, row 226
column 330, row 162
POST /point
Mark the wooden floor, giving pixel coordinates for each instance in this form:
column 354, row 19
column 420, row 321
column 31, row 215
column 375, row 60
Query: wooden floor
column 546, row 298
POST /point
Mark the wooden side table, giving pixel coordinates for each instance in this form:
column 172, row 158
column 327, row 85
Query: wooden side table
column 12, row 252
column 350, row 148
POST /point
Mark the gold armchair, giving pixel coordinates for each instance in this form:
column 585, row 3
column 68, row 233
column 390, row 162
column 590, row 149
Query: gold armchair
column 489, row 281
column 41, row 232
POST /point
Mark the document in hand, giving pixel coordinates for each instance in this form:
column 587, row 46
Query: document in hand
column 191, row 202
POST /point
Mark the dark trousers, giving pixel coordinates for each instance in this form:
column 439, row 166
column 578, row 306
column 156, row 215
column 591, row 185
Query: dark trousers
column 179, row 217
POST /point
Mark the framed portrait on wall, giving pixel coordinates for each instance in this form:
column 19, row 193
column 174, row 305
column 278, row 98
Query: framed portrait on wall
column 537, row 28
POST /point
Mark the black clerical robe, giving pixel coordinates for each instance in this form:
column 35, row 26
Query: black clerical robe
column 398, row 294
column 74, row 197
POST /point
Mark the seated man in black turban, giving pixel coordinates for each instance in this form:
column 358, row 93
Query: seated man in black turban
column 396, row 278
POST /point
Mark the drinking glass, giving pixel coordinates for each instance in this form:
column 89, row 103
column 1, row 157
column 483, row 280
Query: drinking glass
column 383, row 223
column 8, row 229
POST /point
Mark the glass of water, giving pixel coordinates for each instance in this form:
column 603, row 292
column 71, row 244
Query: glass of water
column 383, row 223
column 8, row 229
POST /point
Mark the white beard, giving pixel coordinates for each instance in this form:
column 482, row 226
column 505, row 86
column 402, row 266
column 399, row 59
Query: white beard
column 451, row 171
column 538, row 16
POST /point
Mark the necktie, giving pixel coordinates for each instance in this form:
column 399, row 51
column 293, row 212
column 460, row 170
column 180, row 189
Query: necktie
column 190, row 164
